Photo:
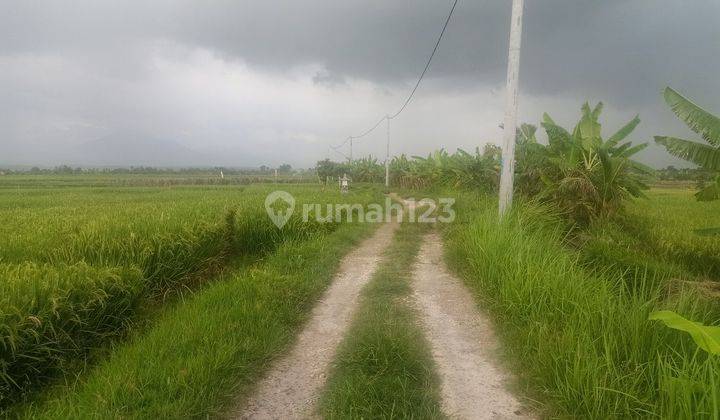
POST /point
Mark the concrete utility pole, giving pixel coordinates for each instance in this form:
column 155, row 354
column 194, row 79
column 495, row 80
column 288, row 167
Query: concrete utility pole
column 387, row 155
column 511, row 108
column 351, row 139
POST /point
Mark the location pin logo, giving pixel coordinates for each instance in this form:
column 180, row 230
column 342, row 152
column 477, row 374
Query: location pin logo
column 279, row 206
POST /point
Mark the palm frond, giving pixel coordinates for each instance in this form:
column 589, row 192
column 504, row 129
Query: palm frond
column 623, row 132
column 706, row 156
column 558, row 137
column 587, row 129
column 547, row 119
column 641, row 168
column 632, row 150
column 699, row 120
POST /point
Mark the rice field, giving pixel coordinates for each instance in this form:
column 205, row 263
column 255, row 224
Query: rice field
column 200, row 356
column 77, row 263
column 679, row 227
column 150, row 179
column 81, row 264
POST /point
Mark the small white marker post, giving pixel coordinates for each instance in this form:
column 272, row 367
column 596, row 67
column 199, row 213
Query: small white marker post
column 344, row 184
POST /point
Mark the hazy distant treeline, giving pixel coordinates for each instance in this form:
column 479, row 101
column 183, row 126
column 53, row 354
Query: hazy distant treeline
column 69, row 170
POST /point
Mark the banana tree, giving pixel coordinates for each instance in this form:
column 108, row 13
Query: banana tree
column 367, row 170
column 458, row 170
column 586, row 176
column 707, row 125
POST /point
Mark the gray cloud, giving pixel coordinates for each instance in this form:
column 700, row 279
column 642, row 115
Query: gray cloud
column 74, row 71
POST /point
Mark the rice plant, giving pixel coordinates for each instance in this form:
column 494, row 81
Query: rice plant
column 52, row 313
column 77, row 263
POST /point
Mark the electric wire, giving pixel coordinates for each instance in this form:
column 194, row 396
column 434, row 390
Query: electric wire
column 412, row 93
column 437, row 44
column 340, row 153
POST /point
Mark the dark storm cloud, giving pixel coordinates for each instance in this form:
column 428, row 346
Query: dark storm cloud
column 85, row 61
column 625, row 49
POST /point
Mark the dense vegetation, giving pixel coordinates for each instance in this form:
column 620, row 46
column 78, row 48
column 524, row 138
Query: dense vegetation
column 201, row 358
column 576, row 305
column 696, row 175
column 584, row 176
column 577, row 327
column 574, row 277
column 78, row 264
column 148, row 170
column 478, row 170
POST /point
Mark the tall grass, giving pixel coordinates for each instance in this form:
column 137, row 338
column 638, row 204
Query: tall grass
column 579, row 335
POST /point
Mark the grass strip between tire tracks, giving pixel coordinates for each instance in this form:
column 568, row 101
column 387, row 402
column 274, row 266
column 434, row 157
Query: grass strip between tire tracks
column 384, row 368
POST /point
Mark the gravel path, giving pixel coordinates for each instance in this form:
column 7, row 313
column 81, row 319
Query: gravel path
column 462, row 342
column 290, row 390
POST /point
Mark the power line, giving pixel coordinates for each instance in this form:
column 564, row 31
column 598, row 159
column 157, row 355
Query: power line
column 336, row 149
column 339, row 152
column 437, row 44
column 412, row 93
column 341, row 144
column 377, row 124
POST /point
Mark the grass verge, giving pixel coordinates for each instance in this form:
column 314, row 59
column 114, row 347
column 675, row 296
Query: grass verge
column 201, row 355
column 578, row 335
column 384, row 368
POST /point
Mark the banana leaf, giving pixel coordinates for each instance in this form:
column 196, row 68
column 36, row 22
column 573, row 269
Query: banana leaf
column 707, row 337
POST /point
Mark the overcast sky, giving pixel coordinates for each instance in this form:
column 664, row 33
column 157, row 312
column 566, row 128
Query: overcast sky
column 246, row 83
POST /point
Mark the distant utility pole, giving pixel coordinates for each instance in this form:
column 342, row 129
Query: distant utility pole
column 387, row 155
column 351, row 139
column 511, row 108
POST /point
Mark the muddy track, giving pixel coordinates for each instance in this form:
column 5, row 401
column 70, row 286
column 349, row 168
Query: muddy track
column 291, row 388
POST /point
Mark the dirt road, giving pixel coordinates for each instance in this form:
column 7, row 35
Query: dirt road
column 463, row 344
column 290, row 390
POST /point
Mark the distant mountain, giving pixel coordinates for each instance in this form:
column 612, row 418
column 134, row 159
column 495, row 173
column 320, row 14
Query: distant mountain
column 136, row 150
